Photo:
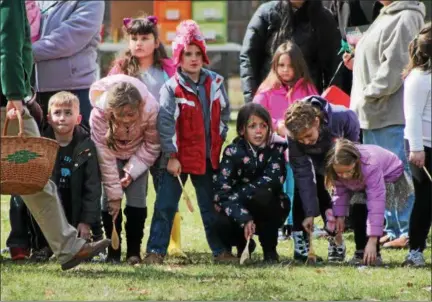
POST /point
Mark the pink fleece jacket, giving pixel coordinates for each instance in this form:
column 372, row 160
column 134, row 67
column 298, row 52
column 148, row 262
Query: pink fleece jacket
column 34, row 19
column 139, row 144
column 276, row 100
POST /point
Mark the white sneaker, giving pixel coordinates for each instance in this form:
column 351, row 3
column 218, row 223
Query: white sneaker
column 414, row 258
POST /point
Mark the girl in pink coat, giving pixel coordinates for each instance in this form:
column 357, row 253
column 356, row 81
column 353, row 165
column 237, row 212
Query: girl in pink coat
column 123, row 128
column 288, row 81
column 146, row 59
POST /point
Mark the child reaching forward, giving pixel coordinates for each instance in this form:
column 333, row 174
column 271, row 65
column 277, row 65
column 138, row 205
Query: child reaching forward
column 368, row 177
column 123, row 127
column 313, row 124
column 192, row 124
column 146, row 60
column 248, row 188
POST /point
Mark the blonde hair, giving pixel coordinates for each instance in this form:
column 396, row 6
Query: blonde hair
column 298, row 64
column 64, row 98
column 344, row 152
column 120, row 95
column 300, row 116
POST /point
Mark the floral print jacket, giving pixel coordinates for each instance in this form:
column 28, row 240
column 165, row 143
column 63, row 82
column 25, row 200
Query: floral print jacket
column 243, row 170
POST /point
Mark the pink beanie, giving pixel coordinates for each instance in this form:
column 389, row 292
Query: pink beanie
column 188, row 32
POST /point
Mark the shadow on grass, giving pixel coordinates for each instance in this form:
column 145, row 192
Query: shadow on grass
column 172, row 266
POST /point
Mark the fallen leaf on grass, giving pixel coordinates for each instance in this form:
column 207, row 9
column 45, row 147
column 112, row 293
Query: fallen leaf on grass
column 49, row 293
column 144, row 292
column 319, row 271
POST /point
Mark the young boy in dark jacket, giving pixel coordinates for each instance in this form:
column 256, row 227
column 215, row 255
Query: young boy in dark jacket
column 76, row 171
column 313, row 125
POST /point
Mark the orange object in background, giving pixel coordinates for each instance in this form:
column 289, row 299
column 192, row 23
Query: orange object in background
column 167, row 31
column 336, row 96
column 172, row 11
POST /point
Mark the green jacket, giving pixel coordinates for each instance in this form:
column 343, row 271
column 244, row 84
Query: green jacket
column 16, row 58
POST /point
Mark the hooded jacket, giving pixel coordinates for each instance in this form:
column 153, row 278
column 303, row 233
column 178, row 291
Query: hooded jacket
column 378, row 167
column 381, row 55
column 306, row 160
column 139, row 144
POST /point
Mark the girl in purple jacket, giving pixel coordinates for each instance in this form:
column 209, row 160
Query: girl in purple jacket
column 370, row 178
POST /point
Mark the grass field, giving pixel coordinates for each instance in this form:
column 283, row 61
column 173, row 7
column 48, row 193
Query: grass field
column 202, row 280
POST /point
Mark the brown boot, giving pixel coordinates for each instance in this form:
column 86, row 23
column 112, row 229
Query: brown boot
column 87, row 251
column 399, row 243
column 226, row 258
column 153, row 258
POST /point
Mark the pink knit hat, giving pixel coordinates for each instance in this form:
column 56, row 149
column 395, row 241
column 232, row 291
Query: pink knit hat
column 188, row 32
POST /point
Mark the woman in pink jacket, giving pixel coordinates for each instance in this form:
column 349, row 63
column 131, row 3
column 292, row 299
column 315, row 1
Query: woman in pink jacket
column 288, row 81
column 370, row 178
column 123, row 128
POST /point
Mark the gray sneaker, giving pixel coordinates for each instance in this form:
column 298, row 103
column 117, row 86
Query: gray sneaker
column 414, row 258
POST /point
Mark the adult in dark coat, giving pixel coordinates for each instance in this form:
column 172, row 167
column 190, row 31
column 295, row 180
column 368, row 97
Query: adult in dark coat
column 311, row 26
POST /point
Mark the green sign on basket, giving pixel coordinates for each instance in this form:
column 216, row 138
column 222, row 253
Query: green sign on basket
column 21, row 157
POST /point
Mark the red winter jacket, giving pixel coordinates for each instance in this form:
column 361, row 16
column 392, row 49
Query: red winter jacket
column 181, row 122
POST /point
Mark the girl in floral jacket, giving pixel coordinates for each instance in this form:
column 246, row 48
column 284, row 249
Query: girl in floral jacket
column 248, row 188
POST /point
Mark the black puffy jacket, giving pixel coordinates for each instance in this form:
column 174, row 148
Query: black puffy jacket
column 319, row 40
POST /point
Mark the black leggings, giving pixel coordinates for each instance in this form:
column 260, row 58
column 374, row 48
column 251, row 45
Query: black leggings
column 359, row 220
column 420, row 221
column 267, row 216
column 324, row 202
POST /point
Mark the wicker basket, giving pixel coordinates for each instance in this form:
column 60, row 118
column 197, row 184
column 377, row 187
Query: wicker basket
column 26, row 162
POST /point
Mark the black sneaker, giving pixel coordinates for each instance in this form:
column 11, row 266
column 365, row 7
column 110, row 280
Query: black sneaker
column 336, row 253
column 252, row 247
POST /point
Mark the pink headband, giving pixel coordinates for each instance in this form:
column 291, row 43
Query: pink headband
column 127, row 21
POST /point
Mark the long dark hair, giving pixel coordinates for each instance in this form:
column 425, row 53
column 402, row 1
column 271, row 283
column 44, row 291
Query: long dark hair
column 246, row 112
column 420, row 51
column 284, row 10
column 128, row 63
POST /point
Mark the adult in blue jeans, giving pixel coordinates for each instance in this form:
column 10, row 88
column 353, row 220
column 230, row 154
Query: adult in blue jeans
column 377, row 92
column 65, row 55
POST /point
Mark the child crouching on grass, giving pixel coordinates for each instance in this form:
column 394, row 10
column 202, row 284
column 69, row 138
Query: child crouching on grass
column 76, row 171
column 368, row 177
column 249, row 187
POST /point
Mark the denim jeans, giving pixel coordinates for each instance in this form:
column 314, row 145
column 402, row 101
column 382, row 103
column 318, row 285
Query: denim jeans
column 166, row 206
column 392, row 139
